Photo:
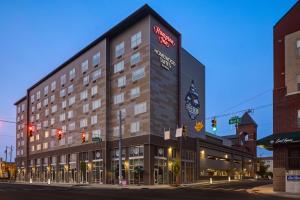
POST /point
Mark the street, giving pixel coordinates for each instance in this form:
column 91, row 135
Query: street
column 233, row 190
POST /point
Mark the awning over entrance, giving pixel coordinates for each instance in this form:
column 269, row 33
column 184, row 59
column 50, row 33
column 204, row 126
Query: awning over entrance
column 280, row 138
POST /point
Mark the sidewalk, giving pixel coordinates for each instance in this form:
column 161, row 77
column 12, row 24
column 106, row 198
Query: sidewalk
column 109, row 186
column 268, row 190
column 99, row 186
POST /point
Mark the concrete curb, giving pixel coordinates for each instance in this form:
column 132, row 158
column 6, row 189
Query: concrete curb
column 268, row 190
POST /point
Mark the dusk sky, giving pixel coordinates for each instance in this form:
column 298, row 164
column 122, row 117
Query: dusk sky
column 232, row 38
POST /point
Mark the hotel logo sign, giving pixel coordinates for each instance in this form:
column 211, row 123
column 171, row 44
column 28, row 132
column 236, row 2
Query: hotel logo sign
column 163, row 37
column 192, row 104
column 166, row 62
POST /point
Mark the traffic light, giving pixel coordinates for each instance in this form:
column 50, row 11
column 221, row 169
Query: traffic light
column 83, row 137
column 30, row 130
column 214, row 124
column 184, row 130
column 59, row 134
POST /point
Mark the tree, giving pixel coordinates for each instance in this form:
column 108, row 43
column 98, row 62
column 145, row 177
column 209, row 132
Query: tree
column 176, row 169
column 262, row 172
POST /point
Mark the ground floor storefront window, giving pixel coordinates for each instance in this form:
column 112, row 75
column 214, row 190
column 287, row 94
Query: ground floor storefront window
column 72, row 173
column 160, row 170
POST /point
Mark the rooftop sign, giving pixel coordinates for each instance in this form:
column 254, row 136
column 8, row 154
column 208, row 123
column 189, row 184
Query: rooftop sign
column 164, row 38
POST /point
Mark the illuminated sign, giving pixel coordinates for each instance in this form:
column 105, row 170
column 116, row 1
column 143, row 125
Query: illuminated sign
column 293, row 177
column 166, row 62
column 192, row 104
column 284, row 141
column 163, row 37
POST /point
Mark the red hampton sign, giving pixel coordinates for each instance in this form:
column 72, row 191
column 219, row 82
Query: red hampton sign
column 163, row 37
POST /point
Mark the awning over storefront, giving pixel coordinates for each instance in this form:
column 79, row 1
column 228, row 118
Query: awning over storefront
column 280, row 138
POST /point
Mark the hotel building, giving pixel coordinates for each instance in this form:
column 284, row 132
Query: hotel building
column 137, row 68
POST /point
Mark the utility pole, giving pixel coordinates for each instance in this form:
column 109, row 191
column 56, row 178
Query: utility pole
column 11, row 150
column 5, row 154
column 120, row 147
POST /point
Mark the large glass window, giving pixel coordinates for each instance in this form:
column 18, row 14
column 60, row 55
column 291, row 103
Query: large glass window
column 119, row 67
column 136, row 39
column 96, row 59
column 135, row 58
column 120, row 49
column 138, row 74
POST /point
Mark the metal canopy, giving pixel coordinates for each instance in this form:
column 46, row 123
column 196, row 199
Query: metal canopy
column 280, row 138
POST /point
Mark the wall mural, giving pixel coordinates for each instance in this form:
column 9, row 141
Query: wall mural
column 192, row 104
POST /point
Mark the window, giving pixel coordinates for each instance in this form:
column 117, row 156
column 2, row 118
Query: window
column 136, row 151
column 84, row 95
column 119, row 67
column 54, row 108
column 70, row 114
column 53, row 86
column 64, row 104
column 52, row 98
column 71, row 100
column 94, row 90
column 72, row 74
column 46, row 102
column 138, row 74
column 96, row 104
column 136, row 39
column 135, row 58
column 135, row 127
column 46, row 134
column 116, row 131
column 46, row 112
column 94, row 119
column 32, row 109
column 72, row 126
column 62, row 93
column 32, row 148
column 70, row 89
column 86, row 80
column 123, row 113
column 119, row 50
column 298, row 48
column 52, row 121
column 119, row 98
column 39, row 105
column 84, row 66
column 38, row 95
column 140, row 108
column 63, row 79
column 62, row 117
column 45, row 124
column 298, row 119
column 32, row 98
column 37, row 137
column 45, row 145
column 85, row 108
column 96, row 133
column 23, row 107
column 70, row 140
column 122, row 81
column 135, row 92
column 96, row 59
column 83, row 123
column 96, row 74
column 46, row 90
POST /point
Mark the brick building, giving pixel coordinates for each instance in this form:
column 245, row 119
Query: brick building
column 285, row 142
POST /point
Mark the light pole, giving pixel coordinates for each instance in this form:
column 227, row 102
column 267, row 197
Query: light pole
column 120, row 147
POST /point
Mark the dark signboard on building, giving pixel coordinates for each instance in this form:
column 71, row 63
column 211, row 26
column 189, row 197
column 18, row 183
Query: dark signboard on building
column 293, row 178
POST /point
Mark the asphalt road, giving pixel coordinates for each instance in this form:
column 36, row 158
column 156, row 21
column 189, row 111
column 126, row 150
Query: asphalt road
column 230, row 191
